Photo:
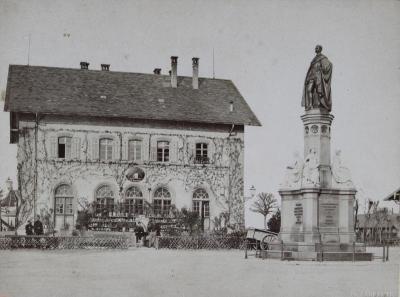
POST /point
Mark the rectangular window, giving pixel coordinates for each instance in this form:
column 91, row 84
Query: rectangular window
column 139, row 206
column 68, row 206
column 196, row 207
column 163, row 151
column 59, row 205
column 64, row 206
column 206, row 209
column 166, row 207
column 134, row 206
column 64, row 147
column 202, row 153
column 135, row 150
column 106, row 148
column 157, row 206
column 105, row 205
column 129, row 206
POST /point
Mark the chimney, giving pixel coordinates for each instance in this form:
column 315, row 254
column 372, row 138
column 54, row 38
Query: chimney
column 195, row 80
column 157, row 71
column 174, row 73
column 84, row 65
column 105, row 67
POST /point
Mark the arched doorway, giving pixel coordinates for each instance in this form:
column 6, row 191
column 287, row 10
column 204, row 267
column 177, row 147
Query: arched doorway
column 64, row 214
column 201, row 205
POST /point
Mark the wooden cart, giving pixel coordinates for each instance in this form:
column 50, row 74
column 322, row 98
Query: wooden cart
column 259, row 239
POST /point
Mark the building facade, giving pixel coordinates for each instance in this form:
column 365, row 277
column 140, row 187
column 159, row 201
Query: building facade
column 126, row 142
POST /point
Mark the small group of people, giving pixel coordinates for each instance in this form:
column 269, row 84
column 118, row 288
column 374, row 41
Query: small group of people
column 35, row 229
column 147, row 235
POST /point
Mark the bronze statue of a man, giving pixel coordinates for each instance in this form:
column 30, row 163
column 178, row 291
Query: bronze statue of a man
column 317, row 86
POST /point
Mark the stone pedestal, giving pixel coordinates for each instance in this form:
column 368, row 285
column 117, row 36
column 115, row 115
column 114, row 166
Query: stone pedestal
column 317, row 207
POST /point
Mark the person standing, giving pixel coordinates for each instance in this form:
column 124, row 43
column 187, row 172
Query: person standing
column 38, row 226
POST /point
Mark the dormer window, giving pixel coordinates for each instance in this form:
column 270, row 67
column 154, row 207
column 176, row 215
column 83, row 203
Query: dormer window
column 64, row 147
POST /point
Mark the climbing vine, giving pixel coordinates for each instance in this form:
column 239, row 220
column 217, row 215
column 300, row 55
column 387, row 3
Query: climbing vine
column 223, row 176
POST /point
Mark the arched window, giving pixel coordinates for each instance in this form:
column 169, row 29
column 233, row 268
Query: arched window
column 133, row 201
column 162, row 201
column 105, row 200
column 134, row 150
column 201, row 203
column 64, row 147
column 106, row 149
column 64, row 196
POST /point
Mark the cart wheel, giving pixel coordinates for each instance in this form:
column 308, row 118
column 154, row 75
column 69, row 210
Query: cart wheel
column 264, row 244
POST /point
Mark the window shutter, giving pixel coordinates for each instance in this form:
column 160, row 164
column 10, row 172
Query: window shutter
column 95, row 148
column 76, row 148
column 53, row 147
column 116, row 149
column 192, row 151
column 210, row 151
column 153, row 152
column 173, row 151
column 125, row 149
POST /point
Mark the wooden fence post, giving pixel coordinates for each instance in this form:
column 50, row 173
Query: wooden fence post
column 387, row 252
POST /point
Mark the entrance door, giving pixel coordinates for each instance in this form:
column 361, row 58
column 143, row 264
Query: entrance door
column 64, row 214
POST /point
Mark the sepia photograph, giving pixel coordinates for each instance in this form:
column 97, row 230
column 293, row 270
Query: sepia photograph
column 199, row 148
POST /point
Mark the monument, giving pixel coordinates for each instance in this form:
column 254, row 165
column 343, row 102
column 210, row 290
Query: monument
column 317, row 193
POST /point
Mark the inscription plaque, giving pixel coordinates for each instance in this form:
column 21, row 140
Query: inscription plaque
column 298, row 213
column 328, row 214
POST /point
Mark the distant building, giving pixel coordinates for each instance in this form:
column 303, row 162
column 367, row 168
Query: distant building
column 377, row 227
column 142, row 140
column 394, row 197
column 8, row 207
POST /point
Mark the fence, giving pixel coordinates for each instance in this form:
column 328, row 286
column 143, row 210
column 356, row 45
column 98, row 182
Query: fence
column 65, row 242
column 319, row 252
column 200, row 242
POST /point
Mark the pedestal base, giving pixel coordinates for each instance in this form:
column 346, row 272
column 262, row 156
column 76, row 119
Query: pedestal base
column 317, row 252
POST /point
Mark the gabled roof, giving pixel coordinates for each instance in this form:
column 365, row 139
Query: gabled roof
column 51, row 90
column 395, row 196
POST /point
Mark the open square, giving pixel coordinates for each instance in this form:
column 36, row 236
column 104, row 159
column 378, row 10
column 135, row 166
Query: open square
column 149, row 272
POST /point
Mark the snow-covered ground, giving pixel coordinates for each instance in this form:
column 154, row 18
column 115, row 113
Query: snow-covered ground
column 149, row 272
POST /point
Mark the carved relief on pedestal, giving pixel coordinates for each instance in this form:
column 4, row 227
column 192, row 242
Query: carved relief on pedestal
column 293, row 173
column 310, row 170
column 341, row 174
column 302, row 173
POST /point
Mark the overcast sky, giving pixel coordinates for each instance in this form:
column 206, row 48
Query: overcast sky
column 264, row 47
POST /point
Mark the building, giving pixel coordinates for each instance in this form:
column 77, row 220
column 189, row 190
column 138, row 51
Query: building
column 139, row 140
column 377, row 227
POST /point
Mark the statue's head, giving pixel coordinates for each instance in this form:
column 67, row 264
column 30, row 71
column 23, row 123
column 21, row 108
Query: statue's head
column 318, row 49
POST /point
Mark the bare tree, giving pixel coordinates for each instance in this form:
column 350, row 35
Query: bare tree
column 265, row 204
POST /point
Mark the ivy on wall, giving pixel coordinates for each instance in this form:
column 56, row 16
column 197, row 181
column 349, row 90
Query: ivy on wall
column 223, row 177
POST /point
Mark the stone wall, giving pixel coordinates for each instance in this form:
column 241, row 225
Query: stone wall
column 222, row 178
